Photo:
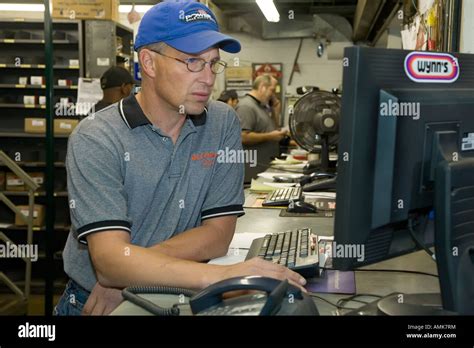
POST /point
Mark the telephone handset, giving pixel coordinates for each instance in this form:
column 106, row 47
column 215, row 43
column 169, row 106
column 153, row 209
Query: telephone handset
column 275, row 298
column 279, row 298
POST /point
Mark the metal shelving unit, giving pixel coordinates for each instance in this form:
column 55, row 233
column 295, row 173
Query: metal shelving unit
column 107, row 43
column 22, row 55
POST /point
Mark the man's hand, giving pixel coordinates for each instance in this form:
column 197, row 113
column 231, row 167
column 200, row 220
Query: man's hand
column 257, row 266
column 102, row 301
column 277, row 135
column 276, row 110
column 276, row 104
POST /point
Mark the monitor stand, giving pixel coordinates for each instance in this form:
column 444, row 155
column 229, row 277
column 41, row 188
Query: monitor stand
column 413, row 304
column 323, row 165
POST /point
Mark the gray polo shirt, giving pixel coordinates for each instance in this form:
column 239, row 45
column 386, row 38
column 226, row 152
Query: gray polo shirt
column 255, row 118
column 125, row 174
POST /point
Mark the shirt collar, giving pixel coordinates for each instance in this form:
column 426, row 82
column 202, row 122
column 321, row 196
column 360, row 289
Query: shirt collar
column 133, row 116
column 256, row 100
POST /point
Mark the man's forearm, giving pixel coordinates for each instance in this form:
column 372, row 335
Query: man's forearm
column 276, row 112
column 202, row 243
column 197, row 244
column 125, row 264
column 252, row 138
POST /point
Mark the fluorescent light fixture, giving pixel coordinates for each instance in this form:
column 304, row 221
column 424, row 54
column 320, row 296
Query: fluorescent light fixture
column 40, row 8
column 138, row 8
column 269, row 10
column 22, row 7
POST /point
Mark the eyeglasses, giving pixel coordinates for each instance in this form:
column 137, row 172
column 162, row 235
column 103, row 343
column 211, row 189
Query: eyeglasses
column 197, row 64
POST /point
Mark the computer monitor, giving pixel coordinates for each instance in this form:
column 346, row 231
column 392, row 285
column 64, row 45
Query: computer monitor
column 403, row 113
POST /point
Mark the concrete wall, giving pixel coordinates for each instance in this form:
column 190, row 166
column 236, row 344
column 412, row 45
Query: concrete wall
column 467, row 27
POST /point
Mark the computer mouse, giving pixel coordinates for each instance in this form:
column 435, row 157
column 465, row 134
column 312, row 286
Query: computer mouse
column 285, row 179
column 301, row 207
column 321, row 185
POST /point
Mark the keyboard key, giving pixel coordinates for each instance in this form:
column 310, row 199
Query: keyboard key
column 279, row 244
column 292, row 249
column 282, row 197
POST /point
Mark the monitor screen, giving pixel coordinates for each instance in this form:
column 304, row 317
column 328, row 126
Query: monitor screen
column 397, row 124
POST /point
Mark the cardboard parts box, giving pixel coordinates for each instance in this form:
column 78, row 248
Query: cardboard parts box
column 38, row 215
column 86, row 9
column 14, row 183
column 61, row 126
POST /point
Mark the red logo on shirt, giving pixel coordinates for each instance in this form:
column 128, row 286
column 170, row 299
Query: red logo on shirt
column 206, row 158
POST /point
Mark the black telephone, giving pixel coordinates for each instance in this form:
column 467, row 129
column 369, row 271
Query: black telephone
column 280, row 298
column 275, row 298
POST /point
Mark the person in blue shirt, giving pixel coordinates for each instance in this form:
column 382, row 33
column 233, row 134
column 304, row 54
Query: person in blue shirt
column 150, row 201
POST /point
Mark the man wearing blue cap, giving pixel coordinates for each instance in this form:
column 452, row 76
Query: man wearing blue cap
column 149, row 197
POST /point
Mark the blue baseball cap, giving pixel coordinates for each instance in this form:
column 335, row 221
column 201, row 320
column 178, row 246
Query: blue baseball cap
column 187, row 26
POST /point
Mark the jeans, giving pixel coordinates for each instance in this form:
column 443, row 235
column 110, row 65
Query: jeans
column 72, row 301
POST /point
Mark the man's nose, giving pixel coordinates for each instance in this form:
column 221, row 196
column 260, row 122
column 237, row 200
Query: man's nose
column 207, row 76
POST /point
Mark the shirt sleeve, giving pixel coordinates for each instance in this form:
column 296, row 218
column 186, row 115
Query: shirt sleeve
column 97, row 198
column 247, row 117
column 226, row 192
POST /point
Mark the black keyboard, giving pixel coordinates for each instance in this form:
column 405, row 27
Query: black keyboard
column 282, row 197
column 292, row 249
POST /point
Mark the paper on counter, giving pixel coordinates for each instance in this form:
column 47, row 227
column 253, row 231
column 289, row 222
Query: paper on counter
column 288, row 161
column 279, row 185
column 238, row 249
column 267, row 175
column 317, row 194
column 260, row 187
column 231, row 258
column 244, row 240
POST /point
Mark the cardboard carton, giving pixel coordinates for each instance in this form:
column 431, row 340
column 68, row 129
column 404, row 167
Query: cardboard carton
column 38, row 215
column 86, row 9
column 35, row 125
column 64, row 125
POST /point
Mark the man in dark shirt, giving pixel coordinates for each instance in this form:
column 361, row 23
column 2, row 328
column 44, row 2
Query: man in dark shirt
column 259, row 124
column 230, row 97
column 116, row 83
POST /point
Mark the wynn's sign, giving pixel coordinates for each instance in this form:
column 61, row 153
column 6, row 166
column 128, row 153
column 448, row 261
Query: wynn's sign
column 429, row 67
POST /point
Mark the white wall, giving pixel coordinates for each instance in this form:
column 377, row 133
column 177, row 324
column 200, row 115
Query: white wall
column 315, row 71
column 467, row 27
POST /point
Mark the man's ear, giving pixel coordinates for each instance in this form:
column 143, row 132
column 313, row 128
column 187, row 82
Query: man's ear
column 124, row 90
column 147, row 66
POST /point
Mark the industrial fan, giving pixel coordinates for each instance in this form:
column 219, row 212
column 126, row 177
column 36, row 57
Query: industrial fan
column 314, row 125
